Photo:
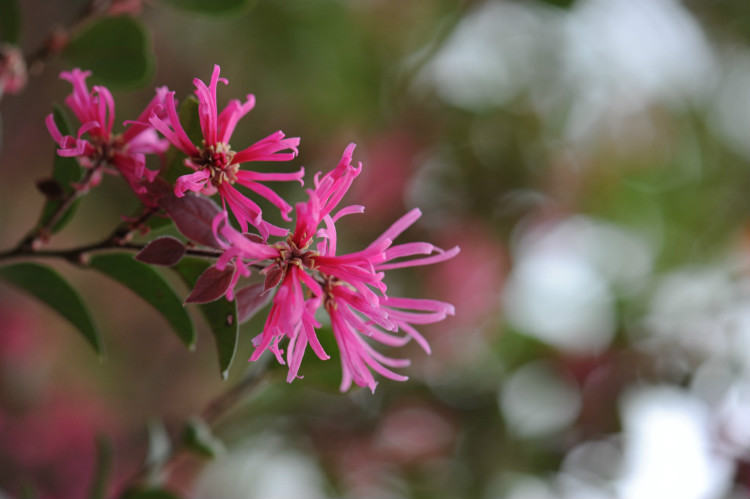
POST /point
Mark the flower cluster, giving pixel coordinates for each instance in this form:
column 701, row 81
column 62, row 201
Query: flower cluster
column 349, row 287
column 302, row 269
column 217, row 166
column 126, row 152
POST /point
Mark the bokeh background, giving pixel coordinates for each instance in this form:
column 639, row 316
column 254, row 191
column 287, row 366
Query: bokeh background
column 590, row 157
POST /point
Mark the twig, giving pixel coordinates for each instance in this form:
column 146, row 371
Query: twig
column 42, row 232
column 57, row 39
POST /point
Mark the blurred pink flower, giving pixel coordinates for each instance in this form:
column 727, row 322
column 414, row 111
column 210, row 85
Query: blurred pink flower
column 120, row 7
column 350, row 287
column 414, row 433
column 13, row 74
column 473, row 282
column 49, row 418
column 52, row 444
column 217, row 166
column 95, row 111
column 392, row 156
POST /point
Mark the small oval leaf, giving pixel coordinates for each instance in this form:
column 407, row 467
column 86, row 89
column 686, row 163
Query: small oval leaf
column 150, row 285
column 116, row 50
column 50, row 187
column 211, row 285
column 164, row 250
column 221, row 315
column 273, row 277
column 251, row 299
column 48, row 286
column 198, row 438
column 193, row 216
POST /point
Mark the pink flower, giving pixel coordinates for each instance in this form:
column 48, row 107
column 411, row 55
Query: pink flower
column 217, row 166
column 95, row 111
column 350, row 287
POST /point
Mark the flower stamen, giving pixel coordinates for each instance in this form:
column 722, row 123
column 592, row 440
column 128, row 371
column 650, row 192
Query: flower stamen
column 218, row 160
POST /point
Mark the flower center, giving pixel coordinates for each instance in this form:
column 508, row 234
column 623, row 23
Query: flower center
column 329, row 283
column 289, row 254
column 218, row 159
column 292, row 255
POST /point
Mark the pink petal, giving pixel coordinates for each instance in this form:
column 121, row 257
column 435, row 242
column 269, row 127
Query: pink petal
column 193, row 182
column 400, row 225
column 174, row 133
column 231, row 114
column 267, row 149
column 52, row 128
column 207, row 107
column 440, row 257
column 267, row 193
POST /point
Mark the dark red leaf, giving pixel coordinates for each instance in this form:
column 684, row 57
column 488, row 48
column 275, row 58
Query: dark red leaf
column 50, row 187
column 211, row 285
column 273, row 277
column 193, row 216
column 250, row 300
column 254, row 238
column 165, row 250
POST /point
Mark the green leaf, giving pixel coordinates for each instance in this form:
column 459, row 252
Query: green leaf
column 48, row 286
column 10, row 21
column 215, row 7
column 150, row 285
column 116, row 50
column 103, row 468
column 198, row 438
column 65, row 172
column 221, row 315
column 28, row 491
column 149, row 494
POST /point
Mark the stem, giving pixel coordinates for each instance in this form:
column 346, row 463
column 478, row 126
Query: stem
column 77, row 256
column 57, row 39
column 221, row 405
column 118, row 240
column 43, row 232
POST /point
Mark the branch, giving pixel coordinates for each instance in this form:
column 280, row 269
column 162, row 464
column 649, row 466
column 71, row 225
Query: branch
column 118, row 240
column 42, row 232
column 58, row 38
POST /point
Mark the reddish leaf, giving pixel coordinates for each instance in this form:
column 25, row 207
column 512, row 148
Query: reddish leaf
column 273, row 277
column 50, row 187
column 211, row 285
column 193, row 216
column 165, row 250
column 250, row 300
column 254, row 238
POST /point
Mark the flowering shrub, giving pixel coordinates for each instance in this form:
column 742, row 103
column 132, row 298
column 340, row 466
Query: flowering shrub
column 233, row 269
column 301, row 278
column 598, row 192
